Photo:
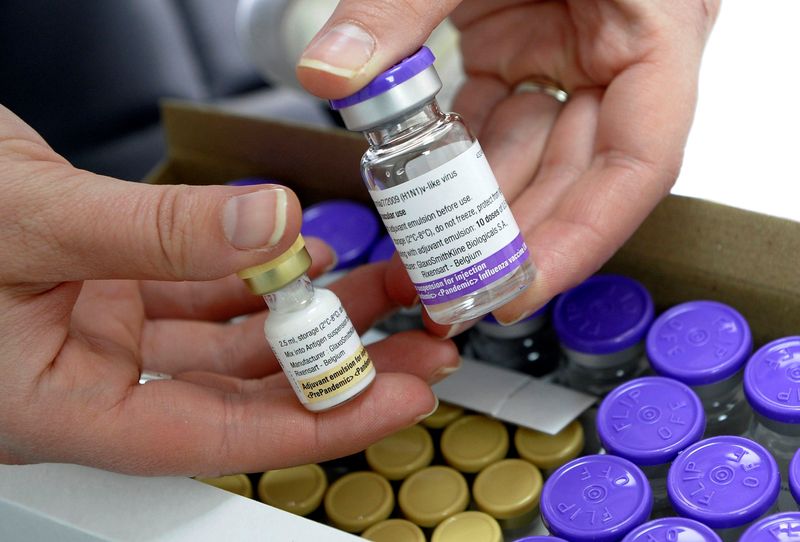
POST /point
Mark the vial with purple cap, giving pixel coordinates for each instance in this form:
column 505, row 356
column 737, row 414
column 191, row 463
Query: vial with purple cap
column 598, row 498
column 783, row 527
column 772, row 387
column 649, row 421
column 601, row 324
column 529, row 346
column 405, row 318
column 724, row 482
column 794, row 478
column 348, row 227
column 672, row 530
column 706, row 344
column 436, row 194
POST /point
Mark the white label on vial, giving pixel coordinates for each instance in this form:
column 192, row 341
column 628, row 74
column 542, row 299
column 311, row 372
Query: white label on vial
column 325, row 359
column 452, row 228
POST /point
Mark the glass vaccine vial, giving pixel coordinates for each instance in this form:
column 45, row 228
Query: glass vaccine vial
column 705, row 345
column 309, row 332
column 649, row 421
column 672, row 530
column 596, row 498
column 529, row 346
column 794, row 478
column 772, row 387
column 725, row 483
column 436, row 194
column 602, row 324
column 783, row 527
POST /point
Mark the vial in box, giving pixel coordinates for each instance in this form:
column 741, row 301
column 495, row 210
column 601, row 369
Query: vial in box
column 771, row 384
column 724, row 482
column 596, row 498
column 783, row 527
column 529, row 346
column 649, row 421
column 348, row 227
column 705, row 345
column 794, row 477
column 309, row 332
column 672, row 530
column 436, row 194
column 601, row 324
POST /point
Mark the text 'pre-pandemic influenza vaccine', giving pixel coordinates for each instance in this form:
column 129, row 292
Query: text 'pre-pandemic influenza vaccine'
column 309, row 332
column 436, row 194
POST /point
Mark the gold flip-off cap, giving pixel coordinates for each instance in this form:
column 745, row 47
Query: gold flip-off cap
column 274, row 275
column 549, row 451
column 472, row 526
column 298, row 490
column 235, row 483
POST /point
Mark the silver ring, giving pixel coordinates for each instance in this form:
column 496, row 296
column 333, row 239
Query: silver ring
column 147, row 376
column 543, row 87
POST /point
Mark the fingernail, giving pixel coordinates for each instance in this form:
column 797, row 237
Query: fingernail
column 423, row 416
column 455, row 329
column 413, row 303
column 255, row 220
column 343, row 50
column 442, row 372
column 514, row 319
column 331, row 266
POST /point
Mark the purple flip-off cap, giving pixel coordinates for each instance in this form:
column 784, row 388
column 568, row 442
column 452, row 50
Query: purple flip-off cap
column 783, row 527
column 383, row 250
column 596, row 497
column 723, row 481
column 604, row 314
column 772, row 380
column 349, row 228
column 399, row 73
column 250, row 181
column 672, row 530
column 794, row 476
column 540, row 539
column 650, row 420
column 699, row 342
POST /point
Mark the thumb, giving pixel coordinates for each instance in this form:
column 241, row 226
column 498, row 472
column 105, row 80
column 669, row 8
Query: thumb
column 74, row 225
column 363, row 38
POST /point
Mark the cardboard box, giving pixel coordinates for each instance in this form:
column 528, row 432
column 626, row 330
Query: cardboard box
column 687, row 249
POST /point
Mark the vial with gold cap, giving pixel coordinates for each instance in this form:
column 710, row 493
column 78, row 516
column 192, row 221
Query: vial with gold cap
column 309, row 332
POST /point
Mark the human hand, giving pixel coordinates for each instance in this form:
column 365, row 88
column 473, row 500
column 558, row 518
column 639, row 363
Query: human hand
column 90, row 296
column 580, row 176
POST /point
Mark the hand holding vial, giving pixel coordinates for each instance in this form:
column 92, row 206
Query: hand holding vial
column 579, row 175
column 104, row 280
